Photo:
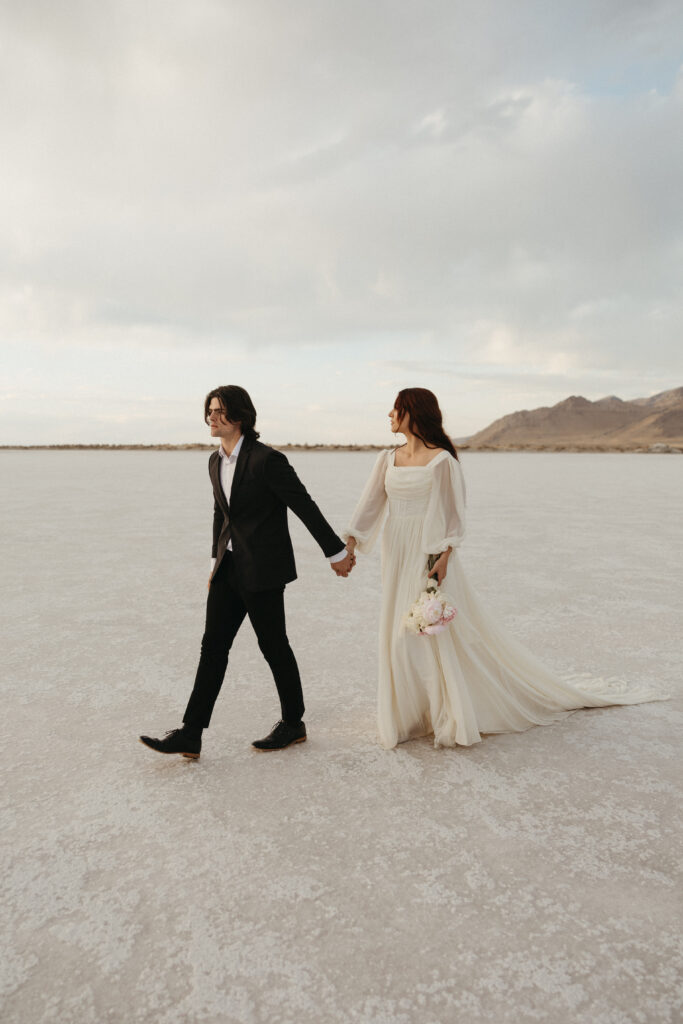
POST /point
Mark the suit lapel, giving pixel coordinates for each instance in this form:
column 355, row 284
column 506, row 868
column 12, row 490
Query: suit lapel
column 242, row 460
column 215, row 474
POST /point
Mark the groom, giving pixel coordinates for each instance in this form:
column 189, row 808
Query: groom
column 252, row 560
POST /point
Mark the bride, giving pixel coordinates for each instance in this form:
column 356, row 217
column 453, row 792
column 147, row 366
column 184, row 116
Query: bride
column 473, row 677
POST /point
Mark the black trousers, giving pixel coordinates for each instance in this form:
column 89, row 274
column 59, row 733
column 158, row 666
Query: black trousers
column 227, row 605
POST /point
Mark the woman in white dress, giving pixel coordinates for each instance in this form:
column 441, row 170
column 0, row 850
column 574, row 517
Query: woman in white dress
column 473, row 677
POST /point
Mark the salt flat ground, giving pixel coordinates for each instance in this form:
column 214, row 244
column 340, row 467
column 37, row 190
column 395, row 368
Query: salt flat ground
column 533, row 877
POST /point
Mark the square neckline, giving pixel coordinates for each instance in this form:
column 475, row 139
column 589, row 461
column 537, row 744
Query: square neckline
column 426, row 465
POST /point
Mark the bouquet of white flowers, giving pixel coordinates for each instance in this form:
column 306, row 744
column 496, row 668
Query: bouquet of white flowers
column 431, row 612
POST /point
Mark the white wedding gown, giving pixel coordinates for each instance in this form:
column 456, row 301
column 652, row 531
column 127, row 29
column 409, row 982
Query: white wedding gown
column 473, row 677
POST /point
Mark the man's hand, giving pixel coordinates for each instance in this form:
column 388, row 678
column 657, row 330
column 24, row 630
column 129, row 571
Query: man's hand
column 345, row 565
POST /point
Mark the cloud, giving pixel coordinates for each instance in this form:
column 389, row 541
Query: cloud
column 502, row 180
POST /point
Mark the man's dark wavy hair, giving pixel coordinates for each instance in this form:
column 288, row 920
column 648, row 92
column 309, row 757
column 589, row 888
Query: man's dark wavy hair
column 238, row 407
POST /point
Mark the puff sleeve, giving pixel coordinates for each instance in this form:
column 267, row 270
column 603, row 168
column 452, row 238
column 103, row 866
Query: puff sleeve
column 444, row 524
column 366, row 521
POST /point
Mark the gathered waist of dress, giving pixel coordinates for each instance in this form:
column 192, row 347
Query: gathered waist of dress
column 403, row 508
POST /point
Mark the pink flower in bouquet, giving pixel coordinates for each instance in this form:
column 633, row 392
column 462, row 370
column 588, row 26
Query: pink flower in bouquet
column 434, row 628
column 432, row 611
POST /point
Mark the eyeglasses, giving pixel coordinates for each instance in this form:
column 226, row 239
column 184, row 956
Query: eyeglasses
column 220, row 413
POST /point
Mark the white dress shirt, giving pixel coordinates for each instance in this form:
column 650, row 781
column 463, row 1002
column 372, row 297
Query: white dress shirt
column 227, row 474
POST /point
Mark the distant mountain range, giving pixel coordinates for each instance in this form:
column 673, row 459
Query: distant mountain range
column 608, row 424
column 643, row 424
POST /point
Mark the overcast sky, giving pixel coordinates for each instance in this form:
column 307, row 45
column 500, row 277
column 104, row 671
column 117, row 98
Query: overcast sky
column 328, row 200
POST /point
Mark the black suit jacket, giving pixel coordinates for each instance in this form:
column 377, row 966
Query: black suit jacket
column 263, row 488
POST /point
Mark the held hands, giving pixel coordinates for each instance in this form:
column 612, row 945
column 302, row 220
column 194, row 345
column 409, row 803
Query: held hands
column 345, row 565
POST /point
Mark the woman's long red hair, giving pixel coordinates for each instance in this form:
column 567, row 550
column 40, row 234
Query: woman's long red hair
column 424, row 417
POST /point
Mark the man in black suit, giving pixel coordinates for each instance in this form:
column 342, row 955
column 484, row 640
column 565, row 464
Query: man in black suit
column 252, row 561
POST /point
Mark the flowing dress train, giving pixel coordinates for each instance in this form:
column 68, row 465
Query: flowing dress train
column 473, row 677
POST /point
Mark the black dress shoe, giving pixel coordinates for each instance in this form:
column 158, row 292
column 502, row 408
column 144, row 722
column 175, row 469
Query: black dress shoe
column 282, row 736
column 176, row 741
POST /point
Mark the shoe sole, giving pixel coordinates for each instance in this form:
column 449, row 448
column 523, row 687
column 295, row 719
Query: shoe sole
column 194, row 757
column 272, row 750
